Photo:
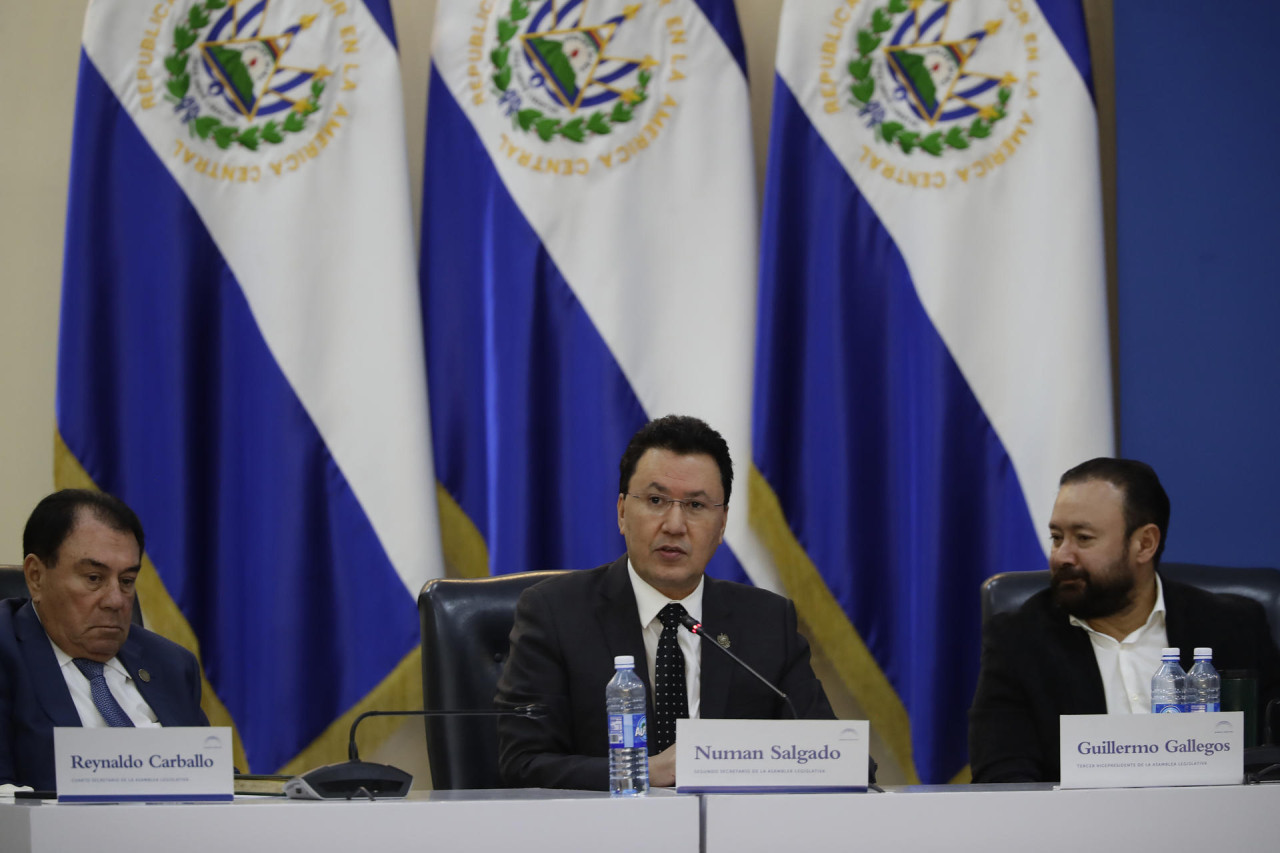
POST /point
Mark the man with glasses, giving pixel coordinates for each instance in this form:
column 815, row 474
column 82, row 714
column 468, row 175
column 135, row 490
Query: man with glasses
column 673, row 500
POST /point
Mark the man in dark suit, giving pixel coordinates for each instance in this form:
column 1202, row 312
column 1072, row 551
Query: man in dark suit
column 1090, row 643
column 70, row 656
column 674, row 486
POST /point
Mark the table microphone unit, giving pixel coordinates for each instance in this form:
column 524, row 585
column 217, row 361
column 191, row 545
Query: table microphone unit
column 356, row 778
column 695, row 627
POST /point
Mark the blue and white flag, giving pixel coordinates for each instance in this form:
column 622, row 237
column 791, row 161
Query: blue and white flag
column 933, row 347
column 241, row 350
column 588, row 262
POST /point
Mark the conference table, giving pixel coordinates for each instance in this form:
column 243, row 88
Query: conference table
column 993, row 818
column 923, row 817
column 509, row 821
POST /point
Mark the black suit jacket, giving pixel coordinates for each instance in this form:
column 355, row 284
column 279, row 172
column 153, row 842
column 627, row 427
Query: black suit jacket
column 34, row 697
column 566, row 634
column 1036, row 665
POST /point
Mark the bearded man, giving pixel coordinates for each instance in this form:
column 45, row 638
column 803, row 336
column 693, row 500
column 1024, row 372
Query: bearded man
column 1090, row 642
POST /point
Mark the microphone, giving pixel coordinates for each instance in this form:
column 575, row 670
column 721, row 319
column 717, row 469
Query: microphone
column 695, row 627
column 355, row 777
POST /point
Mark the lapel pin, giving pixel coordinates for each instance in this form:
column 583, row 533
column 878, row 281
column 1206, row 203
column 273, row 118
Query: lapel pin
column 723, row 640
column 144, row 675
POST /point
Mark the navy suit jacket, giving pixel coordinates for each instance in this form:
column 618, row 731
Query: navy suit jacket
column 34, row 696
column 1036, row 666
column 569, row 629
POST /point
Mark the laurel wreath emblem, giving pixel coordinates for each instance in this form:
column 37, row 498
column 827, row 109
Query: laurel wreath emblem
column 599, row 123
column 892, row 132
column 178, row 84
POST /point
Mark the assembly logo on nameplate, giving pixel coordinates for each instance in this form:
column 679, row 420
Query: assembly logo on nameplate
column 173, row 764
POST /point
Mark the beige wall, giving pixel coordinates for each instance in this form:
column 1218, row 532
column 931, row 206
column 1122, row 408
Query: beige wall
column 39, row 57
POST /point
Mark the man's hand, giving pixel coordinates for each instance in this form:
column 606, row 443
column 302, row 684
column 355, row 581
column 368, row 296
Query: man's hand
column 662, row 768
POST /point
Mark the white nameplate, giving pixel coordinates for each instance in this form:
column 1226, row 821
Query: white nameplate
column 1151, row 750
column 771, row 755
column 182, row 764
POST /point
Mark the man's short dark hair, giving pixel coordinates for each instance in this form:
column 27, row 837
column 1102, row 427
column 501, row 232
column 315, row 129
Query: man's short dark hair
column 53, row 519
column 680, row 434
column 1145, row 500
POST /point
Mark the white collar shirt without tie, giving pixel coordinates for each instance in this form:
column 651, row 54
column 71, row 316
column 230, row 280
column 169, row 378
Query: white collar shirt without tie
column 649, row 602
column 118, row 681
column 1126, row 666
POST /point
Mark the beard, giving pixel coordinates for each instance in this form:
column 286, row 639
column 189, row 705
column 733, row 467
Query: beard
column 1107, row 592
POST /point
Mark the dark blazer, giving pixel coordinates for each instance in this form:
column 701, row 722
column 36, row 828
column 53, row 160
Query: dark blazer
column 34, row 696
column 567, row 632
column 1036, row 666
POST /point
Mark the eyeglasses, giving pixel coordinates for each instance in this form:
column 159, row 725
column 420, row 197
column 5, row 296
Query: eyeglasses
column 657, row 505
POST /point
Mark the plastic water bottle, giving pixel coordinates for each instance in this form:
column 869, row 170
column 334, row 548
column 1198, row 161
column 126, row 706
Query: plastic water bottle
column 1203, row 685
column 628, row 730
column 1169, row 685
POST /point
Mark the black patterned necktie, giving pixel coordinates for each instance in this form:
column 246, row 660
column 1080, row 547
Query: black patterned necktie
column 670, row 692
column 106, row 704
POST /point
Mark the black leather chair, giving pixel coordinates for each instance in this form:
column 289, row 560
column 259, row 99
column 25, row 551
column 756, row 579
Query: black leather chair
column 466, row 625
column 13, row 584
column 1009, row 590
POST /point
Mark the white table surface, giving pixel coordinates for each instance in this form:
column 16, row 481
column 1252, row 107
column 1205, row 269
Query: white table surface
column 986, row 818
column 508, row 821
column 993, row 818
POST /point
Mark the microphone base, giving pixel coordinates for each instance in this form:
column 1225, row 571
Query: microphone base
column 348, row 780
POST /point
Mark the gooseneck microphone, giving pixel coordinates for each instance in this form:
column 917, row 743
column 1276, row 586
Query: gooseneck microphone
column 367, row 779
column 695, row 627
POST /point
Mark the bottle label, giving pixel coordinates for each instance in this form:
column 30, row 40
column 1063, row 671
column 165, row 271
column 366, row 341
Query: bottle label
column 1167, row 709
column 1204, row 707
column 628, row 731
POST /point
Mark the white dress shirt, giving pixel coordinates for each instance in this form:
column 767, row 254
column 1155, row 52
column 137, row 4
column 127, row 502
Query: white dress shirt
column 118, row 681
column 650, row 602
column 1126, row 666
